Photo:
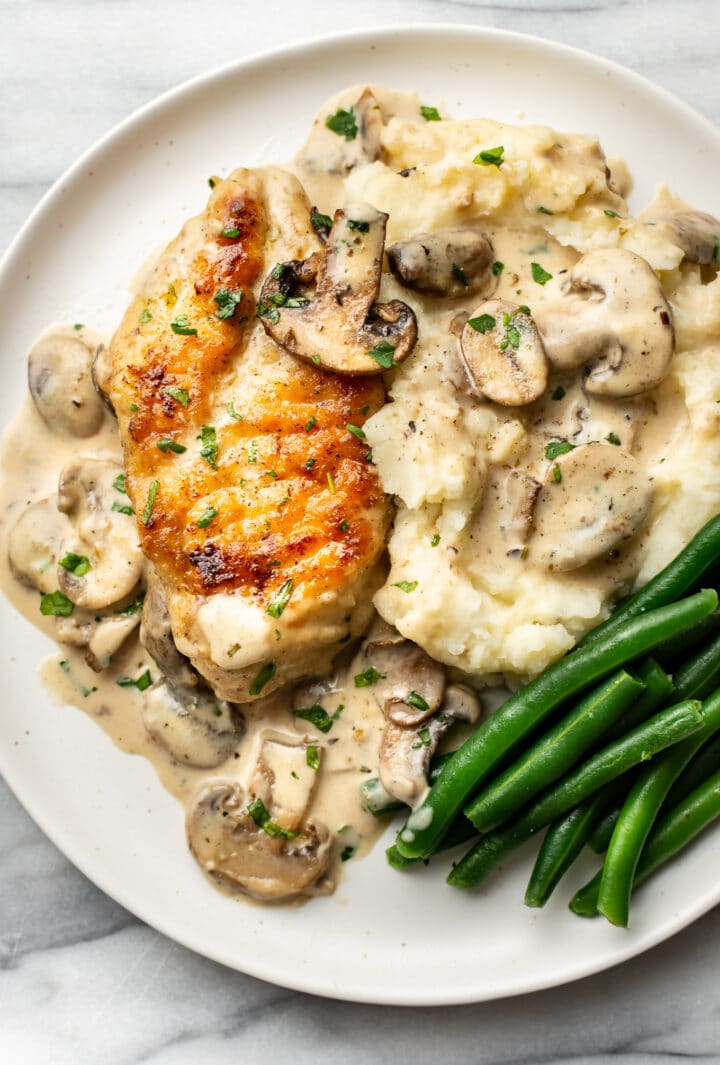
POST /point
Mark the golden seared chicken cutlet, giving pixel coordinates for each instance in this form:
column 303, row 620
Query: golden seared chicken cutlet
column 259, row 509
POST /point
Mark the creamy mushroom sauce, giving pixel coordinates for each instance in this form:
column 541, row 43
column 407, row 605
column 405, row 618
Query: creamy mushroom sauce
column 514, row 477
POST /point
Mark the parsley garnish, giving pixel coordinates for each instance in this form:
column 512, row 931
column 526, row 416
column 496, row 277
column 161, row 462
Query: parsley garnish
column 368, row 678
column 356, row 431
column 261, row 817
column 414, row 699
column 497, row 268
column 343, row 123
column 360, row 227
column 318, row 716
column 227, row 302
column 119, row 484
column 141, row 683
column 384, row 354
column 423, row 739
column 347, row 853
column 122, row 508
column 252, row 453
column 331, row 483
column 545, row 210
column 145, row 317
column 209, row 449
column 490, row 157
column 181, row 325
column 56, row 605
column 430, row 114
column 167, row 444
column 321, row 223
column 609, row 213
column 406, row 586
column 558, row 447
column 232, row 412
column 312, row 757
column 435, row 540
column 79, row 326
column 280, row 601
column 152, row 492
column 344, row 525
column 512, row 337
column 460, row 275
column 76, row 564
column 539, row 275
column 613, row 438
column 263, row 677
column 271, row 313
column 211, row 182
column 309, row 464
column 484, row 323
column 230, row 232
column 559, row 393
column 310, row 424
column 178, row 394
column 207, row 517
column 557, row 474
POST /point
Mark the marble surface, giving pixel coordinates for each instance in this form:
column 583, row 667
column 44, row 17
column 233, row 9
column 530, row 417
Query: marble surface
column 81, row 980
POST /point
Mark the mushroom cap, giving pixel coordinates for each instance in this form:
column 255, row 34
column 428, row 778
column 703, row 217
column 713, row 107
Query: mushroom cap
column 611, row 316
column 408, row 673
column 34, row 544
column 338, row 326
column 601, row 499
column 696, row 233
column 156, row 636
column 503, row 354
column 234, row 851
column 61, row 383
column 450, row 262
column 107, row 537
column 194, row 727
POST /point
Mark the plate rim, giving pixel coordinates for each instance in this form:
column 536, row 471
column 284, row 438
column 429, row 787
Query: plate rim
column 328, row 42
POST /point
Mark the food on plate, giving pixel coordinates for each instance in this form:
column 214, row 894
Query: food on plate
column 383, row 427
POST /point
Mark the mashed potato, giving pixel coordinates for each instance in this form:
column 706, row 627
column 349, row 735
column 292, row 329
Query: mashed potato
column 544, row 199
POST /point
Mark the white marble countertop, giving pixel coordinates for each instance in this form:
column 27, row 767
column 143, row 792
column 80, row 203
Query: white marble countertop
column 81, row 980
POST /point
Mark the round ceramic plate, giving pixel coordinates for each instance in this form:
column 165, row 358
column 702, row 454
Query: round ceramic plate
column 383, row 937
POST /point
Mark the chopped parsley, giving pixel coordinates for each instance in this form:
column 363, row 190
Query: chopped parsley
column 490, row 157
column 368, row 678
column 558, row 447
column 232, row 412
column 406, row 586
column 512, row 337
column 460, row 275
column 359, row 227
column 715, row 253
column 207, row 517
column 312, row 757
column 122, row 508
column 227, row 301
column 384, row 354
column 271, row 313
column 180, row 395
column 75, row 564
column 56, row 605
column 609, row 213
column 152, row 493
column 252, row 453
column 321, row 223
column 168, row 444
column 209, row 449
column 145, row 317
column 231, row 232
column 430, row 114
column 281, row 600
column 435, row 540
column 263, row 677
column 545, row 210
column 613, row 438
column 344, row 525
column 423, row 739
column 557, row 474
column 141, row 683
column 497, row 268
column 261, row 817
column 356, row 431
column 309, row 464
column 539, row 275
column 310, row 424
column 414, row 699
column 318, row 716
column 181, row 325
column 79, row 326
column 133, row 607
column 559, row 393
column 119, row 484
column 331, row 483
column 343, row 123
column 347, row 853
column 211, row 182
column 484, row 323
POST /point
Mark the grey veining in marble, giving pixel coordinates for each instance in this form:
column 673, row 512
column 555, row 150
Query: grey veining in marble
column 82, row 982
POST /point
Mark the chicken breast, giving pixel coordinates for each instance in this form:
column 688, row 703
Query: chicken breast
column 260, row 511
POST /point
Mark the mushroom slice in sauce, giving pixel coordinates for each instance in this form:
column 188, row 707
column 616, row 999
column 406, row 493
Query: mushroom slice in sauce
column 450, row 262
column 611, row 316
column 696, row 233
column 61, row 383
column 194, row 727
column 335, row 153
column 107, row 539
column 338, row 326
column 106, row 636
column 412, row 684
column 156, row 636
column 516, row 510
column 503, row 354
column 34, row 545
column 406, row 752
column 594, row 497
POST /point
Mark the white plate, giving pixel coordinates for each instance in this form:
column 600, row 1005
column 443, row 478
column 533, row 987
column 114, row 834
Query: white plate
column 383, row 937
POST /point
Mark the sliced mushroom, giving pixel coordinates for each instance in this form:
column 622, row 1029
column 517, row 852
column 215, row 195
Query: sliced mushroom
column 340, row 324
column 594, row 498
column 61, row 384
column 405, row 753
column 412, row 684
column 34, row 545
column 106, row 636
column 233, row 850
column 156, row 636
column 101, row 374
column 451, row 262
column 337, row 153
column 696, row 233
column 516, row 509
column 194, row 727
column 284, row 781
column 503, row 354
column 610, row 316
column 107, row 538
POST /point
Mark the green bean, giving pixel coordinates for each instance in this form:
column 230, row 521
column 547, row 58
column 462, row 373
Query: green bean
column 701, row 675
column 380, row 803
column 639, row 813
column 603, row 831
column 703, row 765
column 566, row 837
column 676, row 650
column 668, row 727
column 672, row 831
column 500, row 735
column 461, row 831
column 557, row 751
column 680, row 576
